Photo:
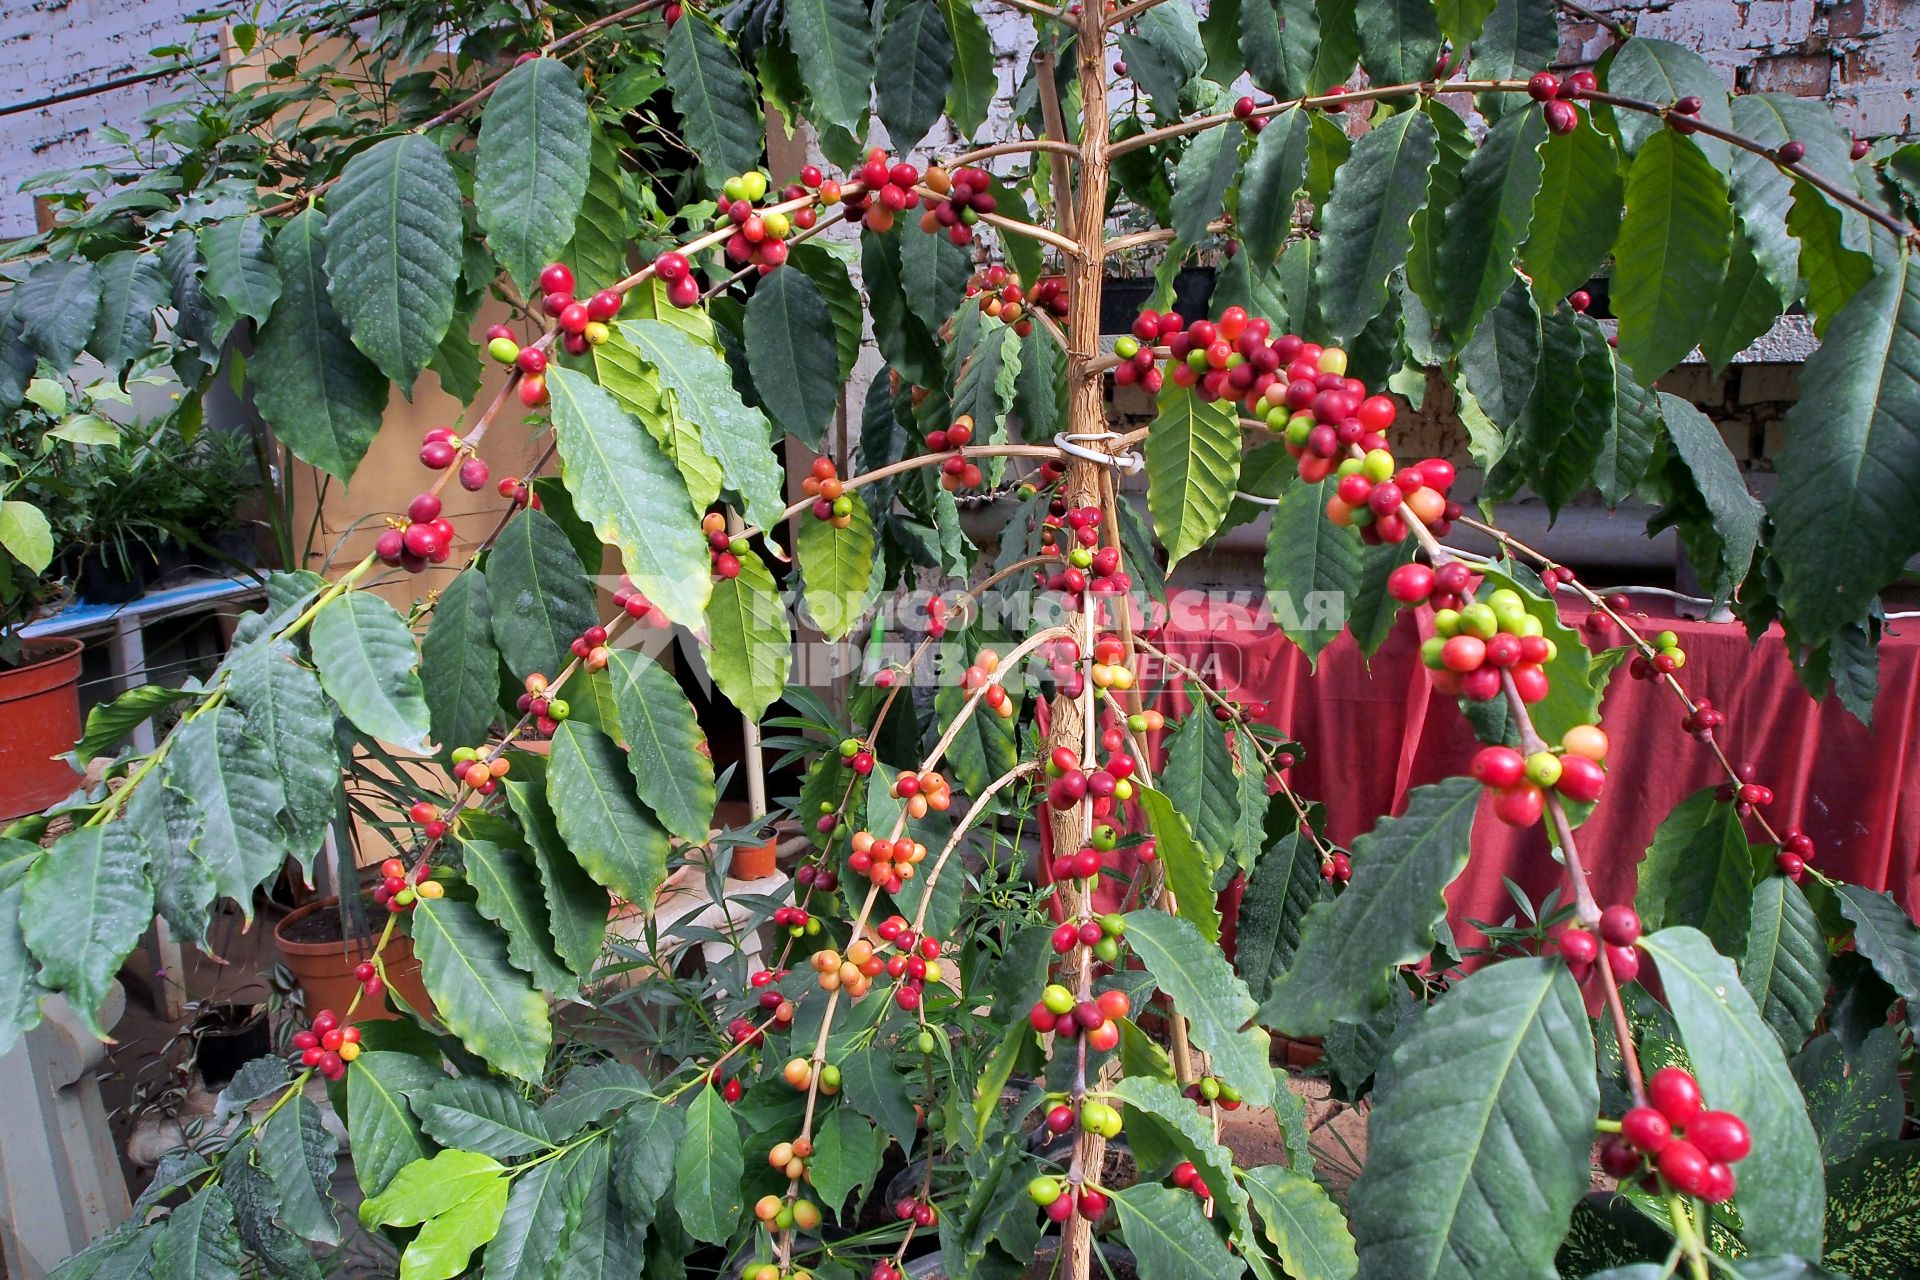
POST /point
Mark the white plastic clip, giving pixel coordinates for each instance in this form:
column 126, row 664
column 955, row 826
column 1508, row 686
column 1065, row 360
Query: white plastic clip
column 1129, row 461
column 1255, row 498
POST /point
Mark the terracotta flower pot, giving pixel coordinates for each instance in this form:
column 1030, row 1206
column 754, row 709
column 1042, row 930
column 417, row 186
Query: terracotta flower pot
column 40, row 705
column 325, row 968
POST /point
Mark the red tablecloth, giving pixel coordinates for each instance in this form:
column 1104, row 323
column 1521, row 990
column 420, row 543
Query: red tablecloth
column 1373, row 731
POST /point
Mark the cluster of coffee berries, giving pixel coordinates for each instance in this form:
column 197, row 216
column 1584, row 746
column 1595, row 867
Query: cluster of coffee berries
column 1372, row 489
column 831, row 502
column 1556, row 97
column 799, row 1074
column 964, row 195
column 920, row 1213
column 723, row 548
column 1336, row 868
column 674, row 270
column 1090, row 567
column 915, row 962
column 1111, row 783
column 1188, row 1178
column 795, row 920
column 888, row 863
column 956, row 473
column 1702, row 720
column 1796, row 851
column 1243, row 109
column 426, row 815
column 742, row 1032
column 1748, row 793
column 1619, row 929
column 757, row 238
column 857, row 756
column 1520, row 782
column 1058, row 1011
column 923, row 791
column 888, row 188
column 326, row 1045
column 1475, row 645
column 424, row 538
column 1000, row 294
column 980, row 676
column 1213, row 1090
column 583, row 325
column 438, row 450
column 1059, row 1201
column 367, row 974
column 764, row 1270
column 396, row 894
column 1668, row 657
column 547, row 711
column 1102, row 933
column 781, row 1216
column 810, row 876
column 790, row 1158
column 1047, row 475
column 629, row 599
column 1693, row 1149
column 586, row 644
column 518, row 492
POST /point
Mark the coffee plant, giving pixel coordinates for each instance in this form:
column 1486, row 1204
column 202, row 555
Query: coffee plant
column 1405, row 206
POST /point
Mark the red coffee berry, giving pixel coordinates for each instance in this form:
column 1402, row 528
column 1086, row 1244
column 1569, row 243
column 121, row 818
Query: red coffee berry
column 1646, row 1129
column 1542, row 86
column 1721, row 1136
column 1619, row 925
column 1676, row 1093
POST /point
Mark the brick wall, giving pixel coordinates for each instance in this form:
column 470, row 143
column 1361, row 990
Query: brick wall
column 53, row 46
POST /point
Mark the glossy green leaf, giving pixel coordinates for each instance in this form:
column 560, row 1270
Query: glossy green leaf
column 719, row 104
column 1785, row 965
column 1844, row 526
column 916, row 47
column 751, row 649
column 1193, row 462
column 393, row 251
column 1190, row 866
column 133, row 285
column 473, row 1113
column 833, row 40
column 984, row 389
column 1194, row 975
column 1750, row 302
column 707, row 1166
column 1285, row 884
column 533, row 164
column 1488, row 220
column 386, row 1135
column 459, row 667
column 428, row 1188
column 1702, row 451
column 593, row 1092
column 1279, row 41
column 232, row 795
column 20, row 991
column 1885, row 935
column 109, row 722
column 1833, row 270
column 631, row 493
column 1385, row 918
column 645, row 1143
column 56, row 306
column 600, row 815
column 1169, row 1235
column 507, row 890
column 1399, row 39
column 241, row 276
column 666, row 750
column 1163, row 54
column 1479, row 1149
column 1367, row 225
column 538, row 597
column 533, row 1226
column 1628, row 446
column 836, row 567
column 1312, row 566
column 576, row 906
column 598, row 250
column 1698, row 871
column 1303, row 1223
column 791, row 349
column 975, row 80
column 366, row 658
column 846, row 1156
column 1739, row 1064
column 1576, row 213
column 446, row 1243
column 1274, row 171
column 1672, row 251
column 85, row 904
column 299, row 1152
column 480, row 996
column 1191, row 1134
column 1207, row 168
column 322, row 396
column 199, row 1240
column 290, row 720
column 1662, row 72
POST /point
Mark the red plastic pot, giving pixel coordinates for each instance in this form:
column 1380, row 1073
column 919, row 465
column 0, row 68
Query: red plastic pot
column 40, row 706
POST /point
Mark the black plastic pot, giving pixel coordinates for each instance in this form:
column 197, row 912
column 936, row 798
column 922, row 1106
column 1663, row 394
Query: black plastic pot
column 1121, row 298
column 104, row 578
column 233, row 1035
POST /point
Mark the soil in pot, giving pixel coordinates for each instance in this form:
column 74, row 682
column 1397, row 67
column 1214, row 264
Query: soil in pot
column 227, row 1037
column 40, row 705
column 310, row 942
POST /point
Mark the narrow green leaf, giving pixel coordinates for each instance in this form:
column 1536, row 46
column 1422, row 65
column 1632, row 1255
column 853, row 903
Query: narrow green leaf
column 1385, row 918
column 291, row 722
column 1163, row 54
column 507, row 891
column 592, row 794
column 199, row 1240
column 833, row 40
column 1367, row 225
column 534, row 1224
column 1576, row 213
column 1702, row 451
column 707, row 1166
column 750, row 646
column 533, row 163
column 1207, row 168
column 576, row 906
column 1279, row 42
column 1169, row 1235
column 298, row 1153
column 1302, row 1221
column 598, row 250
column 1312, row 568
column 366, row 659
column 837, row 567
column 846, row 1156
column 1885, row 935
column 1193, row 461
column 1750, row 301
column 1284, row 885
column 1628, row 446
column 226, row 795
column 474, row 1113
column 481, row 997
column 459, row 667
column 393, row 260
column 975, row 82
column 1399, row 39
column 1275, row 170
column 1844, row 526
column 791, row 350
column 1833, row 270
column 1189, row 867
column 718, row 103
column 321, row 395
column 592, row 1093
column 916, row 46
column 666, row 750
column 1194, row 975
column 1488, row 221
column 1698, row 871
column 538, row 597
column 386, row 1135
column 1671, row 253
column 1480, row 1147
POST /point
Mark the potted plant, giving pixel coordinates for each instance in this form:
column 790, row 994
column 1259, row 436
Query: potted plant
column 657, row 1103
